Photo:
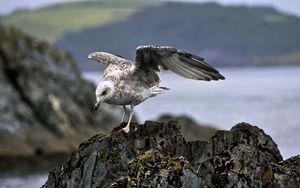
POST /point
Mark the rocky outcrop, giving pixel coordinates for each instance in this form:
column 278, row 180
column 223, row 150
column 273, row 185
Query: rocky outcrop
column 157, row 155
column 45, row 105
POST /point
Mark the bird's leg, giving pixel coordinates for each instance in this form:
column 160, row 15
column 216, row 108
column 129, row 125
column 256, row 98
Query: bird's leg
column 124, row 113
column 127, row 128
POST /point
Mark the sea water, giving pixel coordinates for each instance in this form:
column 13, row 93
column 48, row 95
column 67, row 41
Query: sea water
column 29, row 181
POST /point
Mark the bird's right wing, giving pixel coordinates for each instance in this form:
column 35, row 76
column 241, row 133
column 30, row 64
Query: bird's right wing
column 149, row 58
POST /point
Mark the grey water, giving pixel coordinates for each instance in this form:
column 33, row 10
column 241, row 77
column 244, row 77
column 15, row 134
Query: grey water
column 29, row 181
column 268, row 97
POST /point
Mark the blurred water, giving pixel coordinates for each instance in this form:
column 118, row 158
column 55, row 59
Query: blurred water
column 30, row 181
column 266, row 97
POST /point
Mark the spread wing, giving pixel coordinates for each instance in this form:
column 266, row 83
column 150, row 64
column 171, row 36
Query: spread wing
column 149, row 58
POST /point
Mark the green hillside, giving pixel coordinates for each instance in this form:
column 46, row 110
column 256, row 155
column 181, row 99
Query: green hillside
column 224, row 36
column 53, row 21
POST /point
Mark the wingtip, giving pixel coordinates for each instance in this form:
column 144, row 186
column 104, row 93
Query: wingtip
column 217, row 77
column 221, row 77
column 90, row 56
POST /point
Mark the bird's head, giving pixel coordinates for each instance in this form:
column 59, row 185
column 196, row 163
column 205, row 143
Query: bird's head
column 104, row 92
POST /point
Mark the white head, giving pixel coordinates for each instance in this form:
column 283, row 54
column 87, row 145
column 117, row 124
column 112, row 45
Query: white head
column 105, row 91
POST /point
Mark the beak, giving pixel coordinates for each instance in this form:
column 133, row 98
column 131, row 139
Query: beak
column 97, row 104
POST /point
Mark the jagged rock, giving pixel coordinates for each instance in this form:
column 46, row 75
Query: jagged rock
column 237, row 157
column 45, row 105
column 156, row 155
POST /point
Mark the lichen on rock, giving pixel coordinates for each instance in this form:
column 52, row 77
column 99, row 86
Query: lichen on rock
column 152, row 169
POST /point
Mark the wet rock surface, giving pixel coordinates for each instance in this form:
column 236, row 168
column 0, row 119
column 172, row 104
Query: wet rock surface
column 157, row 155
column 45, row 105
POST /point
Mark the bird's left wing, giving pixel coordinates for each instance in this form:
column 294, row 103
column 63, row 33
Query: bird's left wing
column 168, row 58
column 107, row 58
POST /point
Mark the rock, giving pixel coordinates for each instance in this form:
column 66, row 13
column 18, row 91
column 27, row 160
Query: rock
column 237, row 157
column 156, row 154
column 101, row 160
column 45, row 105
column 152, row 169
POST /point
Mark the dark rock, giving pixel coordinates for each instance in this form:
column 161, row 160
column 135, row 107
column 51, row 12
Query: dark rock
column 237, row 157
column 108, row 156
column 45, row 105
column 156, row 155
column 152, row 169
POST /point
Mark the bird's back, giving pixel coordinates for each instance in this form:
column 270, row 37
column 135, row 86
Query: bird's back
column 131, row 87
column 118, row 68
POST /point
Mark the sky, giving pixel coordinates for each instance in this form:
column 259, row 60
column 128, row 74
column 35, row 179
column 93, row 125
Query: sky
column 286, row 6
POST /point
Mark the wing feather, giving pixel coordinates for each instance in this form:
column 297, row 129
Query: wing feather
column 149, row 58
column 198, row 74
column 185, row 70
column 107, row 58
column 179, row 69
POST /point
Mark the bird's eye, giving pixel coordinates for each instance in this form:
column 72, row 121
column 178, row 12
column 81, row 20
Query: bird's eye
column 104, row 92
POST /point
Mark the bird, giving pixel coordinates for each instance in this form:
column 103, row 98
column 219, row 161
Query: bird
column 129, row 83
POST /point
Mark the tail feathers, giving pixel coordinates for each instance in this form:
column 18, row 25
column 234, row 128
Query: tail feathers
column 164, row 88
column 158, row 90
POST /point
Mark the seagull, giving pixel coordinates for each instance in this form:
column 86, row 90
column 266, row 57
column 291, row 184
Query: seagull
column 130, row 83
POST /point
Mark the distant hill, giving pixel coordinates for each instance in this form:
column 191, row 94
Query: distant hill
column 53, row 21
column 223, row 35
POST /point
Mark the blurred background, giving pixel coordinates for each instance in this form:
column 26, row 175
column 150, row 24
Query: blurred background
column 47, row 83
